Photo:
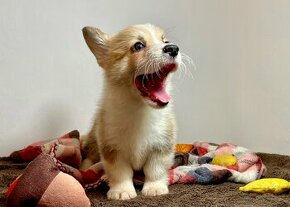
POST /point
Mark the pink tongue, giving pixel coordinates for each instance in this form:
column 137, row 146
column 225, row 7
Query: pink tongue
column 153, row 86
column 156, row 90
column 159, row 94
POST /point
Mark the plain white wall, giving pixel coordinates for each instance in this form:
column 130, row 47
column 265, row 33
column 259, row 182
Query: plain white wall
column 240, row 93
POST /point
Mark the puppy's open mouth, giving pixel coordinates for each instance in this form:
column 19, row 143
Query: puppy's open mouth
column 152, row 86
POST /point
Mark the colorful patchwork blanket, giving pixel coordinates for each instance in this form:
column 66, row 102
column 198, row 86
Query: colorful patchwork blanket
column 197, row 163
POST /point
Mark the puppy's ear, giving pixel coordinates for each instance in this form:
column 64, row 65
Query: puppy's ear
column 97, row 42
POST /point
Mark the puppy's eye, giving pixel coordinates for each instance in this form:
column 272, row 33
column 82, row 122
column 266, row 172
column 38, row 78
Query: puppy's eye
column 138, row 46
column 166, row 42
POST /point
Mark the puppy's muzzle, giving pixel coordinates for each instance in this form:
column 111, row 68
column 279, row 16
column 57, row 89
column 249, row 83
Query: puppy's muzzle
column 172, row 50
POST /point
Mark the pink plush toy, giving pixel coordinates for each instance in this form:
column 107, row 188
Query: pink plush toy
column 42, row 184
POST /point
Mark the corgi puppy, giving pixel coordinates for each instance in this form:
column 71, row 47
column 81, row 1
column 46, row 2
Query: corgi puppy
column 134, row 128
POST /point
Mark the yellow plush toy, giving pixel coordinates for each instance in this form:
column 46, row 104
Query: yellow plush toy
column 267, row 185
column 225, row 160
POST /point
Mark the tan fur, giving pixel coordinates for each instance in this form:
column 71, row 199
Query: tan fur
column 109, row 153
column 128, row 134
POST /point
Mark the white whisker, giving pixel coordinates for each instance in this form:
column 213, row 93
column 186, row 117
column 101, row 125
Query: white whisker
column 186, row 63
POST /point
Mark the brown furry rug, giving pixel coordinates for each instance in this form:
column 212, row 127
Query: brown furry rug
column 225, row 194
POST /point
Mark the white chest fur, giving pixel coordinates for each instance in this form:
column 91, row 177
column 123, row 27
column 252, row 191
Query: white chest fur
column 132, row 127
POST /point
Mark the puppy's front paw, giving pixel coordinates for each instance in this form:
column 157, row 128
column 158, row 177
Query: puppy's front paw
column 121, row 194
column 154, row 189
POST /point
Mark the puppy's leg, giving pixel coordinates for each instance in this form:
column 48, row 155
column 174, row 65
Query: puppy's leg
column 155, row 170
column 90, row 151
column 120, row 176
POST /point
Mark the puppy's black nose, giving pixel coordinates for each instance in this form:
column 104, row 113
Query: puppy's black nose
column 172, row 50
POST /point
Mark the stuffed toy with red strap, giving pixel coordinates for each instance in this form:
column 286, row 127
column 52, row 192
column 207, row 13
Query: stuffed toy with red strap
column 43, row 184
